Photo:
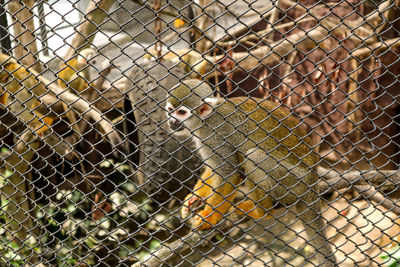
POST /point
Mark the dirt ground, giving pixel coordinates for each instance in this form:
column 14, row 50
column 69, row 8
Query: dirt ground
column 359, row 233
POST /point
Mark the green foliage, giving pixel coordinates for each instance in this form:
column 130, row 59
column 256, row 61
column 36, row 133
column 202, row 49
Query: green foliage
column 154, row 245
column 392, row 257
column 67, row 234
column 8, row 253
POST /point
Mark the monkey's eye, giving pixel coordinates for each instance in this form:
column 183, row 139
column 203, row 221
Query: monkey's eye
column 170, row 109
column 181, row 112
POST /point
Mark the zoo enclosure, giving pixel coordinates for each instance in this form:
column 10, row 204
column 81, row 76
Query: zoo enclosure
column 72, row 194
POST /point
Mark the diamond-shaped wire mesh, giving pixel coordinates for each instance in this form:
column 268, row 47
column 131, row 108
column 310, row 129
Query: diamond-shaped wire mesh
column 199, row 133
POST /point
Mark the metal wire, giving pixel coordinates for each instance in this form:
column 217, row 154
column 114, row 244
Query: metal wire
column 91, row 173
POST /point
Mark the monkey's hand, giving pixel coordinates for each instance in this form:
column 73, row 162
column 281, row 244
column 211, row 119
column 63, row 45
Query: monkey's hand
column 203, row 219
column 212, row 214
column 191, row 203
column 202, row 190
column 215, row 202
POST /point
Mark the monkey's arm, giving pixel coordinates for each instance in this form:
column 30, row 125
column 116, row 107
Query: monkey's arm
column 202, row 190
column 217, row 201
column 217, row 189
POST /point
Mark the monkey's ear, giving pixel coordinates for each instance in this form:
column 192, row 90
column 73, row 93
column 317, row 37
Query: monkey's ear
column 206, row 108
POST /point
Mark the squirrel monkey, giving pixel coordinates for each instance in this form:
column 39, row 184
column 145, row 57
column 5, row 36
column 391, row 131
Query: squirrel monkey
column 255, row 139
column 23, row 90
column 25, row 104
column 75, row 73
column 190, row 60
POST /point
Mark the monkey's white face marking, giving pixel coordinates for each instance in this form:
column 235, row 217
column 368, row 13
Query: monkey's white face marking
column 177, row 118
column 182, row 113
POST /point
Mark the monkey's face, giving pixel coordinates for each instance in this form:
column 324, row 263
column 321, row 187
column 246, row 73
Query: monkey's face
column 180, row 119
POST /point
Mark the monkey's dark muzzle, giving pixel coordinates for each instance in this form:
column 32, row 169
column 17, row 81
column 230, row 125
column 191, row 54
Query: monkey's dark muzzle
column 175, row 125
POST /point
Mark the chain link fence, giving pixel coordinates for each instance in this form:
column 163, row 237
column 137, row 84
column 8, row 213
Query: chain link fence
column 199, row 133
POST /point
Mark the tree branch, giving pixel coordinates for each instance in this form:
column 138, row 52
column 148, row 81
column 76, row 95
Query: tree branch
column 376, row 47
column 369, row 192
column 334, row 180
column 26, row 49
column 95, row 15
column 192, row 240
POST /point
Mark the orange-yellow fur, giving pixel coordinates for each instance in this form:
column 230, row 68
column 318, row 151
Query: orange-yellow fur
column 3, row 98
column 74, row 74
column 215, row 205
column 12, row 76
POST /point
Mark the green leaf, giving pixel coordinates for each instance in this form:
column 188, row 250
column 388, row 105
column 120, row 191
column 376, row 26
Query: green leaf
column 392, row 257
column 154, row 244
